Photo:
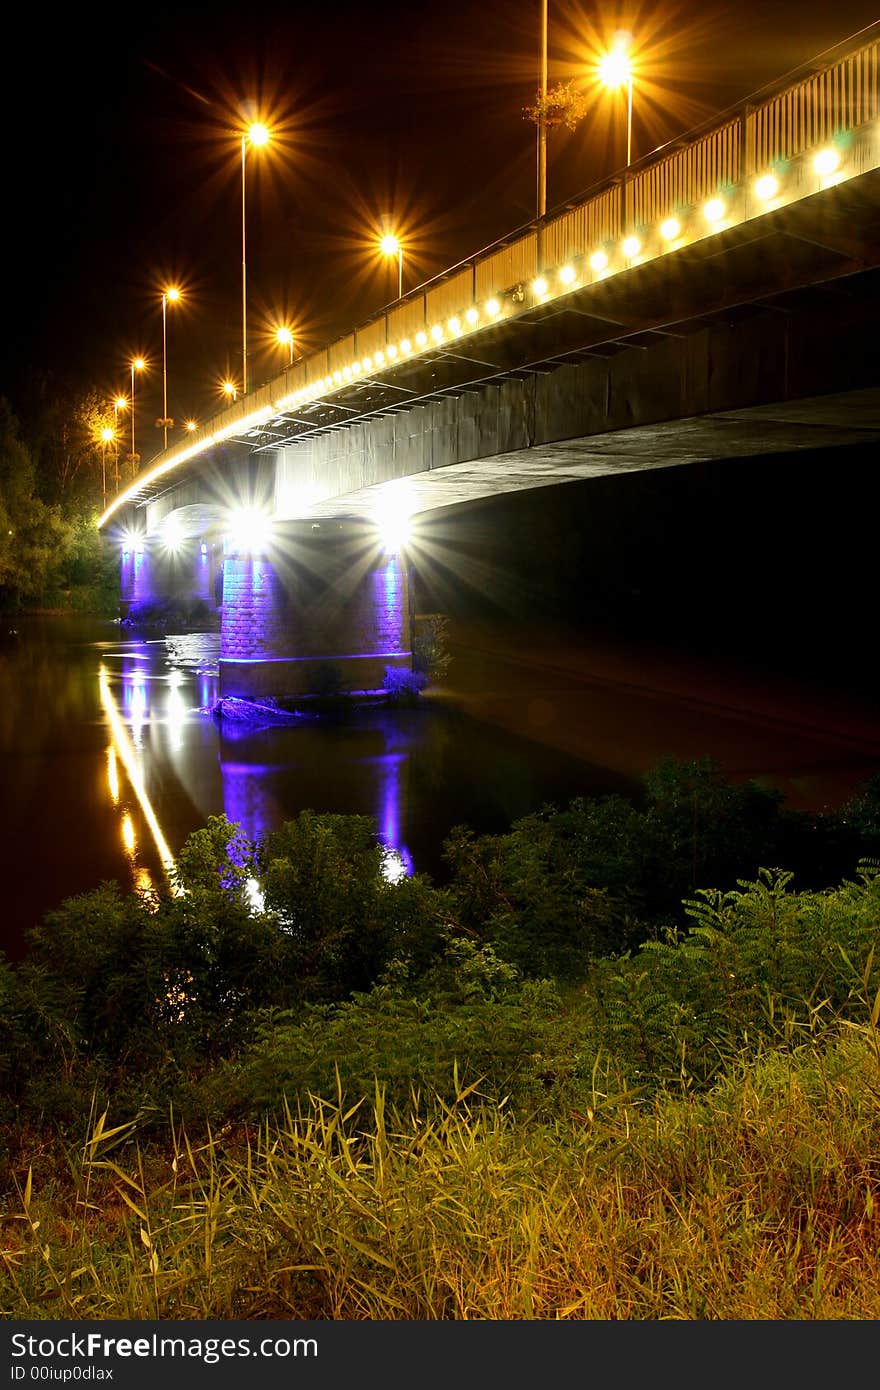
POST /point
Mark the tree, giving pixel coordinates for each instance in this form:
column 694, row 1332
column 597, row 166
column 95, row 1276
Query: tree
column 31, row 533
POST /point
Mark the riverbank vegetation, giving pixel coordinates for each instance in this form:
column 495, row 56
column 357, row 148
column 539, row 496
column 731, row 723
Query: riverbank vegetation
column 572, row 1080
column 52, row 557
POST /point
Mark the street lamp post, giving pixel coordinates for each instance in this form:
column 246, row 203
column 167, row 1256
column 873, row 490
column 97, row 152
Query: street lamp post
column 615, row 70
column 120, row 403
column 390, row 245
column 169, row 296
column 137, row 365
column 542, row 118
column 258, row 135
column 106, row 435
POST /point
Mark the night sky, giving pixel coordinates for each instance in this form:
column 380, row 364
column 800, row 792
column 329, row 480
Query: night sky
column 123, row 160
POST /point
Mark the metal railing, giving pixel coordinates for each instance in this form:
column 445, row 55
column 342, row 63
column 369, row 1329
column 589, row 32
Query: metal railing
column 808, row 107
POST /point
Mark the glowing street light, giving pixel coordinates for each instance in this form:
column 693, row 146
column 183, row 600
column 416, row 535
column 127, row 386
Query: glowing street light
column 615, row 69
column 229, row 389
column 390, row 245
column 284, row 336
column 137, row 365
column 256, row 135
column 169, row 296
column 192, row 426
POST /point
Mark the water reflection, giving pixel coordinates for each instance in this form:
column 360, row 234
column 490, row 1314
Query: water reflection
column 269, row 774
column 398, row 861
column 134, row 694
column 115, row 726
column 112, row 775
column 176, row 711
column 266, row 775
column 129, row 839
column 124, row 748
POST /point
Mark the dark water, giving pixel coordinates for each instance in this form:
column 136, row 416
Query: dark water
column 108, row 760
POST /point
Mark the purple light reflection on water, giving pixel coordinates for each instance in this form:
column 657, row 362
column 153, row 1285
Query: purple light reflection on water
column 246, row 800
column 253, row 795
column 391, row 765
column 135, row 705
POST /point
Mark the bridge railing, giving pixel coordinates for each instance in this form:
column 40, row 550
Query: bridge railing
column 700, row 170
column 838, row 97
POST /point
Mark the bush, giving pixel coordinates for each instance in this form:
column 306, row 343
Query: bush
column 471, row 1023
column 431, row 655
column 323, row 879
column 403, row 686
column 760, row 965
column 172, row 612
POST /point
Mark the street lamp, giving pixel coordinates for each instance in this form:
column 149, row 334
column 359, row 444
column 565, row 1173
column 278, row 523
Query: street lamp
column 615, row 69
column 169, row 296
column 229, row 390
column 284, row 336
column 390, row 245
column 119, row 403
column 107, row 433
column 542, row 118
column 137, row 365
column 256, row 135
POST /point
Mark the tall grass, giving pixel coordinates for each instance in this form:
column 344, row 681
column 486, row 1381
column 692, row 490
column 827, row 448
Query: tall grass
column 756, row 1200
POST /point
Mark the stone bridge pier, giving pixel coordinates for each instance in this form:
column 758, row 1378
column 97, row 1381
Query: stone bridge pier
column 152, row 570
column 320, row 608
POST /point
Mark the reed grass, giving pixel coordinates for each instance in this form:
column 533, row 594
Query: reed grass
column 756, row 1200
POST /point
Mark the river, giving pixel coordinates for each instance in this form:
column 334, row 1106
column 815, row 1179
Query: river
column 109, row 758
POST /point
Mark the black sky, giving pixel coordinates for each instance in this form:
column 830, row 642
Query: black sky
column 122, row 158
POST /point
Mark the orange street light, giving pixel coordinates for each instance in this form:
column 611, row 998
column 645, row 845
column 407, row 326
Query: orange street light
column 257, row 135
column 284, row 336
column 169, row 296
column 615, row 69
column 229, row 389
column 390, row 245
column 138, row 364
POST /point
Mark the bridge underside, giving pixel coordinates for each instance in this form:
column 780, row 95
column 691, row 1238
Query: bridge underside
column 745, row 344
column 822, row 422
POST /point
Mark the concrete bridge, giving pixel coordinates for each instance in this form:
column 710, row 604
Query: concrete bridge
column 718, row 299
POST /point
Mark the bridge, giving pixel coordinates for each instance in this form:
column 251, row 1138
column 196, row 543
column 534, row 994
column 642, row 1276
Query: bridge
column 716, row 299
